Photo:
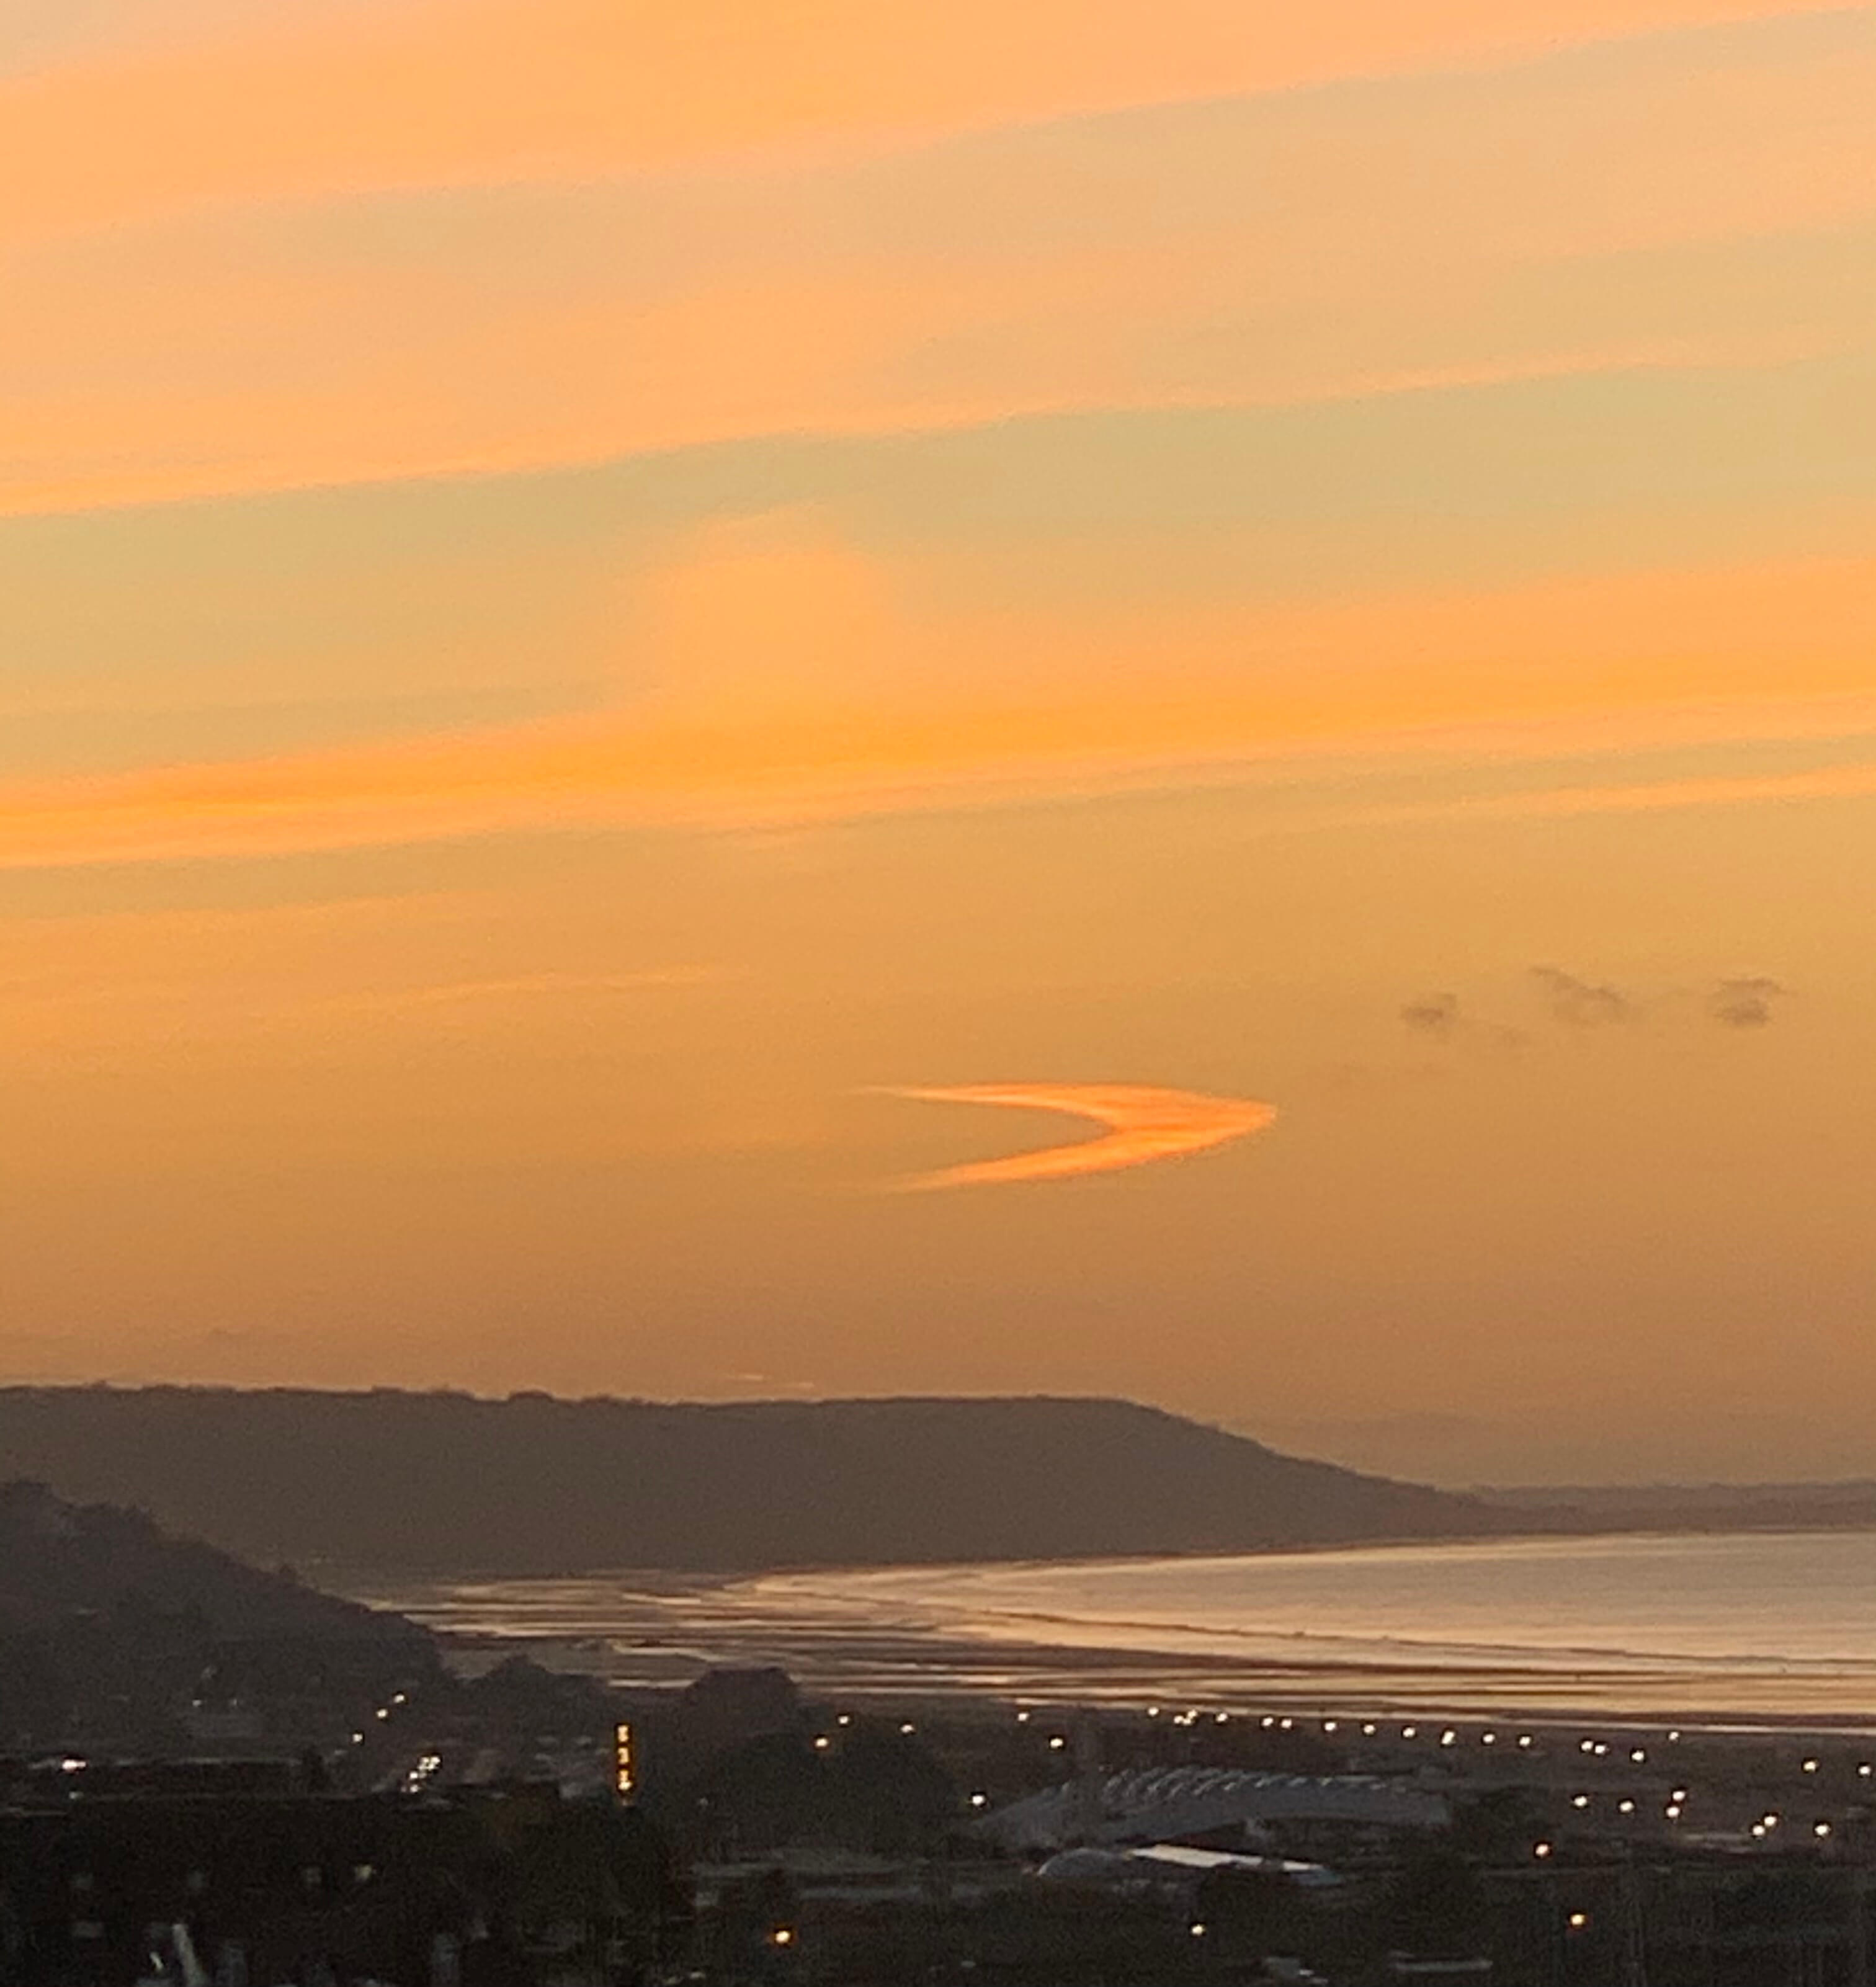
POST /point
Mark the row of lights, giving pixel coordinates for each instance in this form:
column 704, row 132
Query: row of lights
column 1593, row 1747
column 1673, row 1811
column 823, row 1743
column 1627, row 1804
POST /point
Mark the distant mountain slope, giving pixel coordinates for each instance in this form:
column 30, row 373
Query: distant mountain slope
column 61, row 1562
column 407, row 1482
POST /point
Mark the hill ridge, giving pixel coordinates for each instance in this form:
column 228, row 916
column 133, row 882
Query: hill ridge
column 397, row 1480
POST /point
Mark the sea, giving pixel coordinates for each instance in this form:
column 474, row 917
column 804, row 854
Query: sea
column 1737, row 1630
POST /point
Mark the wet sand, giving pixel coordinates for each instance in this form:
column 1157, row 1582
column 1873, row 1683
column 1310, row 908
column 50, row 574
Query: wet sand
column 851, row 1641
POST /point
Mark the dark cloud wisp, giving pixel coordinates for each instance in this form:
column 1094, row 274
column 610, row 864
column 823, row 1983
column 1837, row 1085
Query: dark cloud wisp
column 1744, row 1004
column 1435, row 1014
column 1581, row 1003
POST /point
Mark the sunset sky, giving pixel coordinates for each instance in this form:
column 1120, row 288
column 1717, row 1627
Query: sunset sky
column 629, row 626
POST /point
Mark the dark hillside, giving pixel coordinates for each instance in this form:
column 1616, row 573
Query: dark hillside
column 117, row 1638
column 61, row 1562
column 400, row 1481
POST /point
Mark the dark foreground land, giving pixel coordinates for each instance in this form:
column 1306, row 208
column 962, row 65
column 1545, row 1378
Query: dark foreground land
column 209, row 1773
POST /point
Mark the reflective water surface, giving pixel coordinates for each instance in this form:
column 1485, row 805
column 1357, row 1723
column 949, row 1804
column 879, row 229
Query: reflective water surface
column 1735, row 1627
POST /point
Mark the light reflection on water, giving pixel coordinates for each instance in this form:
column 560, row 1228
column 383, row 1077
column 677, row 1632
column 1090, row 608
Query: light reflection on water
column 1748, row 1626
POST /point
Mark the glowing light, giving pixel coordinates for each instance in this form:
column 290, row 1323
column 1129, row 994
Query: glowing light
column 1810, row 1765
column 822, row 1742
column 1488, row 1738
column 1197, row 1931
column 1579, row 1800
column 1410, row 1731
column 1056, row 1743
column 1368, row 1731
column 980, row 1800
column 1578, row 1920
column 1821, row 1828
column 1625, row 1807
column 1449, row 1738
column 1672, row 1811
column 1525, row 1741
column 782, row 1935
column 1541, row 1850
column 1638, row 1756
column 908, row 1728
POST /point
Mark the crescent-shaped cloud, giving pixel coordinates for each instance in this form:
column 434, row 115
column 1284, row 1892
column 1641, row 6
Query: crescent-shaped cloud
column 1142, row 1125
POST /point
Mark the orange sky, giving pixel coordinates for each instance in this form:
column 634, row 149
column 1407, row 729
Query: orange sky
column 653, row 584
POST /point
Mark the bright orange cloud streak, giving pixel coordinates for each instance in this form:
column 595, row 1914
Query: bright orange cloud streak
column 806, row 730
column 1143, row 1124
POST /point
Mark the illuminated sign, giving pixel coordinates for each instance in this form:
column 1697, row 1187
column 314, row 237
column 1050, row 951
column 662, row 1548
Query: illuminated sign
column 625, row 1772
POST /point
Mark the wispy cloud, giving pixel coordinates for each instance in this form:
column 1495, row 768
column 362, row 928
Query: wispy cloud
column 1581, row 1003
column 1443, row 233
column 1855, row 780
column 815, row 730
column 1142, row 1125
column 1445, row 1019
column 464, row 993
column 1435, row 1014
column 1745, row 1003
column 286, row 107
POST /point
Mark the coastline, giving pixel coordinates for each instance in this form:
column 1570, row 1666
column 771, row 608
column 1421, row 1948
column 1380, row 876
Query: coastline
column 897, row 1634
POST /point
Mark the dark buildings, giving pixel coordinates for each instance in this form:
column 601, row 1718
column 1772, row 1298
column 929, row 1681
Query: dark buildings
column 498, row 1888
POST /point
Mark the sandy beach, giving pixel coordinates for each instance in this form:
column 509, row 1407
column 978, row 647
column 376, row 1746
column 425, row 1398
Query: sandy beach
column 1305, row 1635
